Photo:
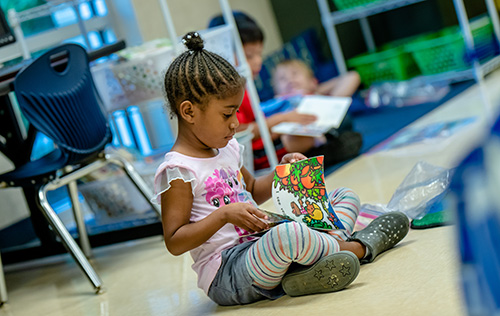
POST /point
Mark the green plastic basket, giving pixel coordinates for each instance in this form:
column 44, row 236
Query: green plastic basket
column 389, row 65
column 446, row 51
column 347, row 4
column 441, row 54
column 403, row 42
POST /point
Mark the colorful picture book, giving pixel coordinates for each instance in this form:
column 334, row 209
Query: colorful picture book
column 300, row 195
column 330, row 112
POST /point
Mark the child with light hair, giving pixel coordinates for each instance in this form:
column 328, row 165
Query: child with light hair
column 293, row 76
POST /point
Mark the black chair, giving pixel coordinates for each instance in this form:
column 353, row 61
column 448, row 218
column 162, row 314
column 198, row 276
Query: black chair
column 3, row 289
column 56, row 94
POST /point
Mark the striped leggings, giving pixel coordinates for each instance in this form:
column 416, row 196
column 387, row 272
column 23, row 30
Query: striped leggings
column 269, row 258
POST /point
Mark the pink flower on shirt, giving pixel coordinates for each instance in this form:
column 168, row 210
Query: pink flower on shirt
column 222, row 189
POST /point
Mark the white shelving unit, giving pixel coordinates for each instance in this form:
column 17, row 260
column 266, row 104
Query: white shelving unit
column 331, row 19
column 243, row 68
column 24, row 46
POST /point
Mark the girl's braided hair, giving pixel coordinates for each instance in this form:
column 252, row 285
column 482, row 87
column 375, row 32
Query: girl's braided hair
column 197, row 75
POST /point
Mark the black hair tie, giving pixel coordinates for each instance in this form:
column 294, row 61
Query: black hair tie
column 193, row 41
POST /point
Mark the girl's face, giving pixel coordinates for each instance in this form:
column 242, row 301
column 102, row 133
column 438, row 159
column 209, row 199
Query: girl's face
column 216, row 125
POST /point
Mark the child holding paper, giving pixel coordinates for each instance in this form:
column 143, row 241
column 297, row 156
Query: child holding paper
column 209, row 200
column 294, row 77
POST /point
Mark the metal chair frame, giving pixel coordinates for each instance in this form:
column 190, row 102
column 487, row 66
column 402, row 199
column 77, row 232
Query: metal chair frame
column 79, row 163
column 80, row 254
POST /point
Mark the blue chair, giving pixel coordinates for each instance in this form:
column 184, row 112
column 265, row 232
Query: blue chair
column 57, row 96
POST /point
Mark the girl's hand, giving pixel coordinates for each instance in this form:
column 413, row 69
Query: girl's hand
column 292, row 157
column 245, row 216
column 301, row 118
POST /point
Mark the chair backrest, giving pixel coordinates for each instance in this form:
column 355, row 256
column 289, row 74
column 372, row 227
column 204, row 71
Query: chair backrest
column 56, row 94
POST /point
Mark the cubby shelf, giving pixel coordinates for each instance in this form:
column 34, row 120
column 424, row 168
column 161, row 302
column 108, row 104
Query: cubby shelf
column 361, row 13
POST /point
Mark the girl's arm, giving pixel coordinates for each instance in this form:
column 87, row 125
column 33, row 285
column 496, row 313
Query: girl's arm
column 260, row 187
column 181, row 235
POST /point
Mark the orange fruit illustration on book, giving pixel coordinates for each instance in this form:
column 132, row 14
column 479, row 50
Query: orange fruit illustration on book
column 283, row 171
column 305, row 170
column 307, row 182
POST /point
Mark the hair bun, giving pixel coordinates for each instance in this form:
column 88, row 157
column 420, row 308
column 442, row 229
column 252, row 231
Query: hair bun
column 193, row 41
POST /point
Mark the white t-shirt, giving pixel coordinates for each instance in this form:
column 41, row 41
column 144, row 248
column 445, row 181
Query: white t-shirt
column 215, row 182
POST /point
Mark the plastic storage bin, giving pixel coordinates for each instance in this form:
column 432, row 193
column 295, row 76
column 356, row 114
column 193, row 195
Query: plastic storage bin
column 108, row 87
column 388, row 65
column 220, row 41
column 447, row 50
column 116, row 204
column 136, row 75
column 141, row 70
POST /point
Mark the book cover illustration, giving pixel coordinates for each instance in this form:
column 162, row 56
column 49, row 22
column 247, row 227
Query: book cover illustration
column 299, row 193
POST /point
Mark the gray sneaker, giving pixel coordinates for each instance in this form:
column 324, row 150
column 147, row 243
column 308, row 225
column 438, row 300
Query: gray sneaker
column 383, row 233
column 329, row 274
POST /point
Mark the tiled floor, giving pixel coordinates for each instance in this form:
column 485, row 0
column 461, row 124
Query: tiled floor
column 419, row 277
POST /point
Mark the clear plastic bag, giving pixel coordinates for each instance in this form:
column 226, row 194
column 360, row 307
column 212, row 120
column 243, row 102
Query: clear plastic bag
column 424, row 186
column 405, row 93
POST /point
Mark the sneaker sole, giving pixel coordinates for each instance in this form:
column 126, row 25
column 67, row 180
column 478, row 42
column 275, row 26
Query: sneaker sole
column 329, row 274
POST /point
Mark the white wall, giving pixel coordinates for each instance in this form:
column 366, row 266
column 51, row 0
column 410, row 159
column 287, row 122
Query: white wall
column 191, row 15
column 123, row 17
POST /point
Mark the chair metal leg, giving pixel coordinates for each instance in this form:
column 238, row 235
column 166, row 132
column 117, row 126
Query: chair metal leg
column 80, row 222
column 3, row 288
column 58, row 226
column 68, row 241
column 136, row 178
